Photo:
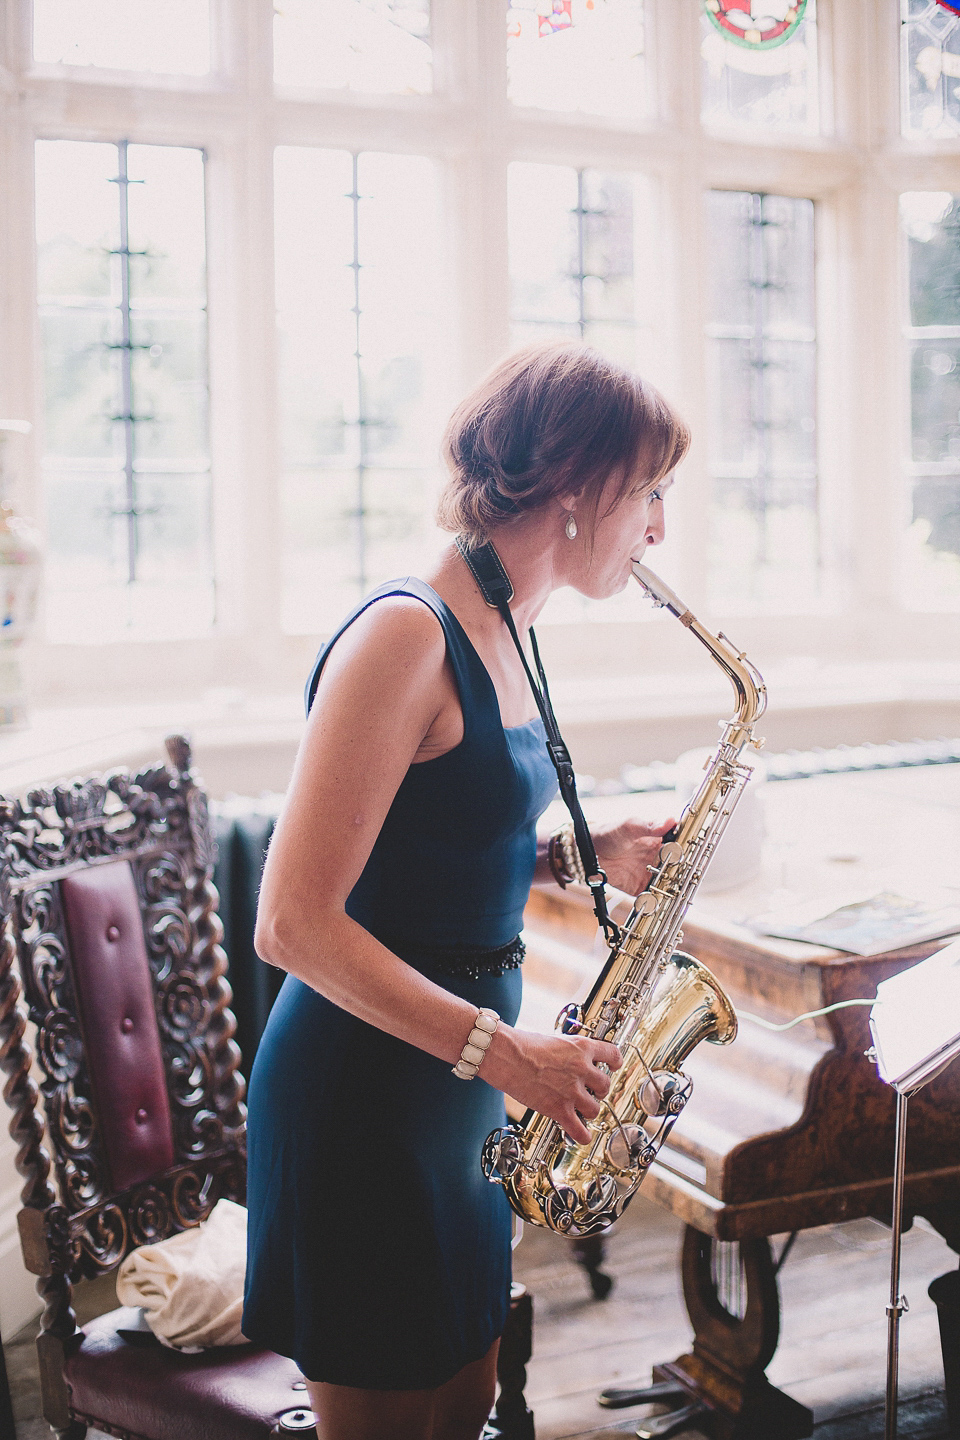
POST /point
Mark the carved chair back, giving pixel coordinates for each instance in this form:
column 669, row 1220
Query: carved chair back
column 109, row 916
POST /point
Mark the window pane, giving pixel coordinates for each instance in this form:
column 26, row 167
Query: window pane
column 361, row 315
column 761, row 367
column 573, row 256
column 585, row 55
column 931, row 225
column 578, row 248
column 759, row 64
column 930, row 69
column 123, row 327
column 172, row 37
column 376, row 45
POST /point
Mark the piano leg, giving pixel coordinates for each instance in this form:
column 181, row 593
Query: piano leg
column 512, row 1418
column 734, row 1305
column 945, row 1293
column 589, row 1251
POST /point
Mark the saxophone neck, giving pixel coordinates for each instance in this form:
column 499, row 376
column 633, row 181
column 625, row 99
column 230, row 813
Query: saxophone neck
column 743, row 675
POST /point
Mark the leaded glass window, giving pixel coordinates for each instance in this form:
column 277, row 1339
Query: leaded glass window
column 172, row 37
column 121, row 290
column 574, row 237
column 582, row 268
column 586, row 55
column 931, row 226
column 381, row 46
column 761, row 358
column 364, row 386
column 930, row 68
column 759, row 64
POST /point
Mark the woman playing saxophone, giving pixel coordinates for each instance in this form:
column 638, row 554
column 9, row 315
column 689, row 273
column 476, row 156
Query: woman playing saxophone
column 393, row 895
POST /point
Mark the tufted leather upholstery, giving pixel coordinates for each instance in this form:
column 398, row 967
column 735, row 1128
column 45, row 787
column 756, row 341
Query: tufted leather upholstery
column 153, row 1393
column 114, row 991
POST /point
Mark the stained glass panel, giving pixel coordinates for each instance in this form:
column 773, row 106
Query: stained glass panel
column 761, row 364
column 931, row 226
column 363, row 383
column 586, row 55
column 751, row 81
column 381, row 46
column 169, row 38
column 123, row 328
column 930, row 69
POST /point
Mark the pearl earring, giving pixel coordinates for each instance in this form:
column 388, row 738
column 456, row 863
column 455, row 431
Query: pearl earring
column 571, row 526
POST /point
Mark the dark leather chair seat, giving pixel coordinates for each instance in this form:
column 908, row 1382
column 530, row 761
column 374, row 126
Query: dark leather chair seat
column 152, row 1393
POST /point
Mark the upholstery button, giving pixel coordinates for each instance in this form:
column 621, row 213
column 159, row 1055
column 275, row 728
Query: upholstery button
column 126, row 1024
column 113, row 933
column 141, row 1115
column 299, row 1385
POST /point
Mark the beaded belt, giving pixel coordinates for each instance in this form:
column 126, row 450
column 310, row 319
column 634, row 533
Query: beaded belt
column 470, row 962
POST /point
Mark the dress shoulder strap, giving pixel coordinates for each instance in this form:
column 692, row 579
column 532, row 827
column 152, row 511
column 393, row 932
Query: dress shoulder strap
column 459, row 649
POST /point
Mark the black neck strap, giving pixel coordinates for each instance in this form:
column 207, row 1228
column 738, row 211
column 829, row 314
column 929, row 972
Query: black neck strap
column 495, row 587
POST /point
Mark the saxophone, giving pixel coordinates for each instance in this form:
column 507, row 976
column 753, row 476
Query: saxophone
column 653, row 1002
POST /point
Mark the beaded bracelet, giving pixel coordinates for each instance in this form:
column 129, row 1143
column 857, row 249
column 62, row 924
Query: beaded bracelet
column 567, row 848
column 478, row 1043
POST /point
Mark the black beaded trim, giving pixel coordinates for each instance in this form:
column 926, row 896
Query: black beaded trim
column 470, row 962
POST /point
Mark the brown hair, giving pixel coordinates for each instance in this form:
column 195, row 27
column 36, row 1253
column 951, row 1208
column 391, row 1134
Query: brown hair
column 550, row 420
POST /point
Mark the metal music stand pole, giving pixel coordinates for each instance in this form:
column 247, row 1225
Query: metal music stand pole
column 915, row 1024
column 898, row 1303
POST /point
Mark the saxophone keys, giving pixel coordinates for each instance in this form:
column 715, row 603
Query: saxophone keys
column 570, row 1019
column 671, row 853
column 646, row 903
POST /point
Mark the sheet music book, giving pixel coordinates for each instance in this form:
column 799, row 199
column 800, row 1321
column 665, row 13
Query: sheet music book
column 882, row 922
column 915, row 1022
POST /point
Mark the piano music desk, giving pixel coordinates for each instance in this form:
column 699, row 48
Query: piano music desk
column 794, row 1129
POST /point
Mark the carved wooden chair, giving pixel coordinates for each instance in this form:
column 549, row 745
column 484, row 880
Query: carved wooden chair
column 109, row 916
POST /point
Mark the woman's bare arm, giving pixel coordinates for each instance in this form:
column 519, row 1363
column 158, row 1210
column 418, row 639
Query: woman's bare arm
column 386, row 698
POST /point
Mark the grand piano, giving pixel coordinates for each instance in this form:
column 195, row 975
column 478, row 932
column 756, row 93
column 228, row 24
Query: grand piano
column 788, row 1130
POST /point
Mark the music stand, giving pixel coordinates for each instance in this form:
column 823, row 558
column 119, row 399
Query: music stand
column 915, row 1024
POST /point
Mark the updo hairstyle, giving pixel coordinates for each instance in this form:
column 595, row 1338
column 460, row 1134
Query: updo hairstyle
column 551, row 420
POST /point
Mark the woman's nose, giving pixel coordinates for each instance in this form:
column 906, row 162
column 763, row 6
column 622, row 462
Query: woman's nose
column 655, row 530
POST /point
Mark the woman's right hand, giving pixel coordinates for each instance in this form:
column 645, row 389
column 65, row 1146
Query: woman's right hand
column 557, row 1075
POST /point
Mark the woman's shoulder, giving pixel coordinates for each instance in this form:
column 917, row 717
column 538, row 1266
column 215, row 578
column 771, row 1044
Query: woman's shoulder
column 395, row 639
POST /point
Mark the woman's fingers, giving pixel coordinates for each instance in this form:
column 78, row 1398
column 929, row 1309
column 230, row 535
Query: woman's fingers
column 574, row 1127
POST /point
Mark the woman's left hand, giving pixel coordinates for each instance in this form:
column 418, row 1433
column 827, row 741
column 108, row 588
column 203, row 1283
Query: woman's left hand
column 628, row 851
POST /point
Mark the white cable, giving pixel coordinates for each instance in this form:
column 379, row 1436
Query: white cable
column 810, row 1014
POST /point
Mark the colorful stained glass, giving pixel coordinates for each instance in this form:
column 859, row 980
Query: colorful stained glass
column 930, row 68
column 760, row 64
column 585, row 55
column 758, row 25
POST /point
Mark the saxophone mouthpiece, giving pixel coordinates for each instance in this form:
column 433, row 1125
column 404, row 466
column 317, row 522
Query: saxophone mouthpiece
column 660, row 593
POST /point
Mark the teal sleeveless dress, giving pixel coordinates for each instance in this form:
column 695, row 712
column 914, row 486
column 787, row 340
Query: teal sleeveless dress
column 378, row 1254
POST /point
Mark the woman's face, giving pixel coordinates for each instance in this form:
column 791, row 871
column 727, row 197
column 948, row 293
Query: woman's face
column 620, row 537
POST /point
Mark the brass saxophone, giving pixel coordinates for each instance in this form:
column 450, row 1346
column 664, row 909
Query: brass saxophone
column 653, row 1002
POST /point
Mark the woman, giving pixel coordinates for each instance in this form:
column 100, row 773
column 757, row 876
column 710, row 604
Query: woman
column 379, row 1256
